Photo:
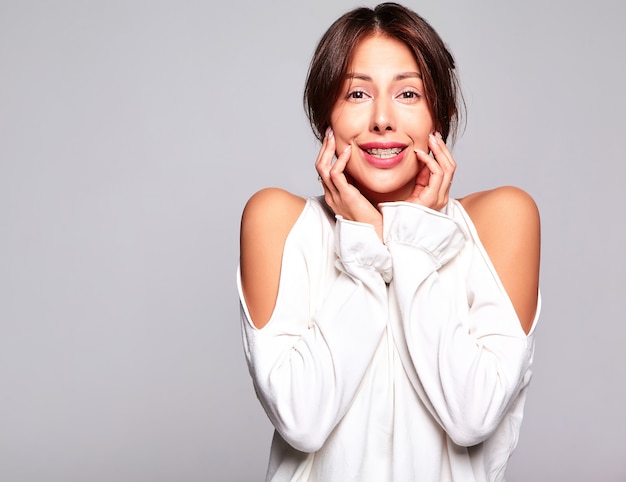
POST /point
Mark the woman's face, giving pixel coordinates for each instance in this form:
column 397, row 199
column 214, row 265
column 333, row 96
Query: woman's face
column 384, row 115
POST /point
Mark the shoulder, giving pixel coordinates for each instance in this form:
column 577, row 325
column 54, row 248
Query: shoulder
column 508, row 225
column 269, row 215
column 267, row 220
column 272, row 205
column 502, row 203
column 506, row 211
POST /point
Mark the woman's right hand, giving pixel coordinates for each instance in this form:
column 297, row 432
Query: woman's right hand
column 342, row 197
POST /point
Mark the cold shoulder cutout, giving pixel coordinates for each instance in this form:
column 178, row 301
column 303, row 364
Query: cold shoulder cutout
column 266, row 222
column 508, row 225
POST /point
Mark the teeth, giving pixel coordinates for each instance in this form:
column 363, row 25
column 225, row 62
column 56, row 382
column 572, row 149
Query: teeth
column 385, row 153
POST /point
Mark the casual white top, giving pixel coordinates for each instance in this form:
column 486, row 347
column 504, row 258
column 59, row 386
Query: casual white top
column 402, row 361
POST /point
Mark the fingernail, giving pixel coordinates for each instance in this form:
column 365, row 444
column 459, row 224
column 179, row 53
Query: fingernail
column 433, row 138
column 438, row 134
column 329, row 132
column 420, row 151
column 347, row 148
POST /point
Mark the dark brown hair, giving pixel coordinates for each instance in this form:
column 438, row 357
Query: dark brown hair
column 329, row 66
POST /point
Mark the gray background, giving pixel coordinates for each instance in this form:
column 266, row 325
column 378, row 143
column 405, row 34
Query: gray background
column 131, row 135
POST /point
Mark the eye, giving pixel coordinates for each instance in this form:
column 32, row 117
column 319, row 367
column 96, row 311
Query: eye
column 409, row 95
column 356, row 95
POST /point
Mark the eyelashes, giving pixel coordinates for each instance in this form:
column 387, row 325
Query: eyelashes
column 356, row 94
column 410, row 94
column 406, row 95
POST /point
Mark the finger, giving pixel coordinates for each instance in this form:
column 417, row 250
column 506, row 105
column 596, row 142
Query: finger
column 320, row 154
column 443, row 155
column 337, row 172
column 427, row 182
column 325, row 150
column 442, row 144
column 447, row 164
column 325, row 157
column 322, row 147
column 441, row 152
column 436, row 170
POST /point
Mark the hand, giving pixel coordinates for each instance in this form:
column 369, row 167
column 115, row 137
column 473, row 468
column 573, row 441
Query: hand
column 343, row 198
column 432, row 184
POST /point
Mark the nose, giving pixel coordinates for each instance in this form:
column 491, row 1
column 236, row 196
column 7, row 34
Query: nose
column 382, row 116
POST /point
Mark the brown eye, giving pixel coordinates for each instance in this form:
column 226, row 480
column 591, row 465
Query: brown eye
column 409, row 94
column 357, row 94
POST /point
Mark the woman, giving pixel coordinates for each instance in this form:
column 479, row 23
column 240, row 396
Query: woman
column 388, row 329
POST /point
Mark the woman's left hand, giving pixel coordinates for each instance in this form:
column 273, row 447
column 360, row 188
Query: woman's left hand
column 432, row 184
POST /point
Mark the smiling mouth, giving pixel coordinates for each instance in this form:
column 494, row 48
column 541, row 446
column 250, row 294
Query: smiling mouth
column 385, row 153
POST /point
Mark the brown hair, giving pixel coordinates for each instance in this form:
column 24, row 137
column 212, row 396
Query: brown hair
column 331, row 60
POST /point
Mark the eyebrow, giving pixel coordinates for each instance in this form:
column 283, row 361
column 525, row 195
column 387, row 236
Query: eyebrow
column 400, row 76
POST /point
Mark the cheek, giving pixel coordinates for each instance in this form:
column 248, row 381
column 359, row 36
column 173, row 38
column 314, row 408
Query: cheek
column 347, row 125
column 420, row 137
column 422, row 126
column 341, row 141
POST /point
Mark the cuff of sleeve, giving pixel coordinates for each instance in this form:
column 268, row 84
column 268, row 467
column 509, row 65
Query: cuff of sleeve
column 423, row 228
column 357, row 245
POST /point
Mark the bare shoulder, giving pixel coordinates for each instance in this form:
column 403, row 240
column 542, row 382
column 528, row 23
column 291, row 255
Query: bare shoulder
column 272, row 205
column 503, row 215
column 503, row 203
column 267, row 219
column 508, row 225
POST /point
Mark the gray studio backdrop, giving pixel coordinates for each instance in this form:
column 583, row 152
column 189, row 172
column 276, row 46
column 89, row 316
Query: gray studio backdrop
column 133, row 132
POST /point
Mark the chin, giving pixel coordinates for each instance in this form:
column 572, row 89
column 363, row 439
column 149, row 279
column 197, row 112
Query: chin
column 385, row 190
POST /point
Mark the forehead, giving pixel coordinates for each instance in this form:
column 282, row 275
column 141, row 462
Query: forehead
column 380, row 52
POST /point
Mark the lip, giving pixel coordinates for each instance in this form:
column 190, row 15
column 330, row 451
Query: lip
column 386, row 163
column 382, row 145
